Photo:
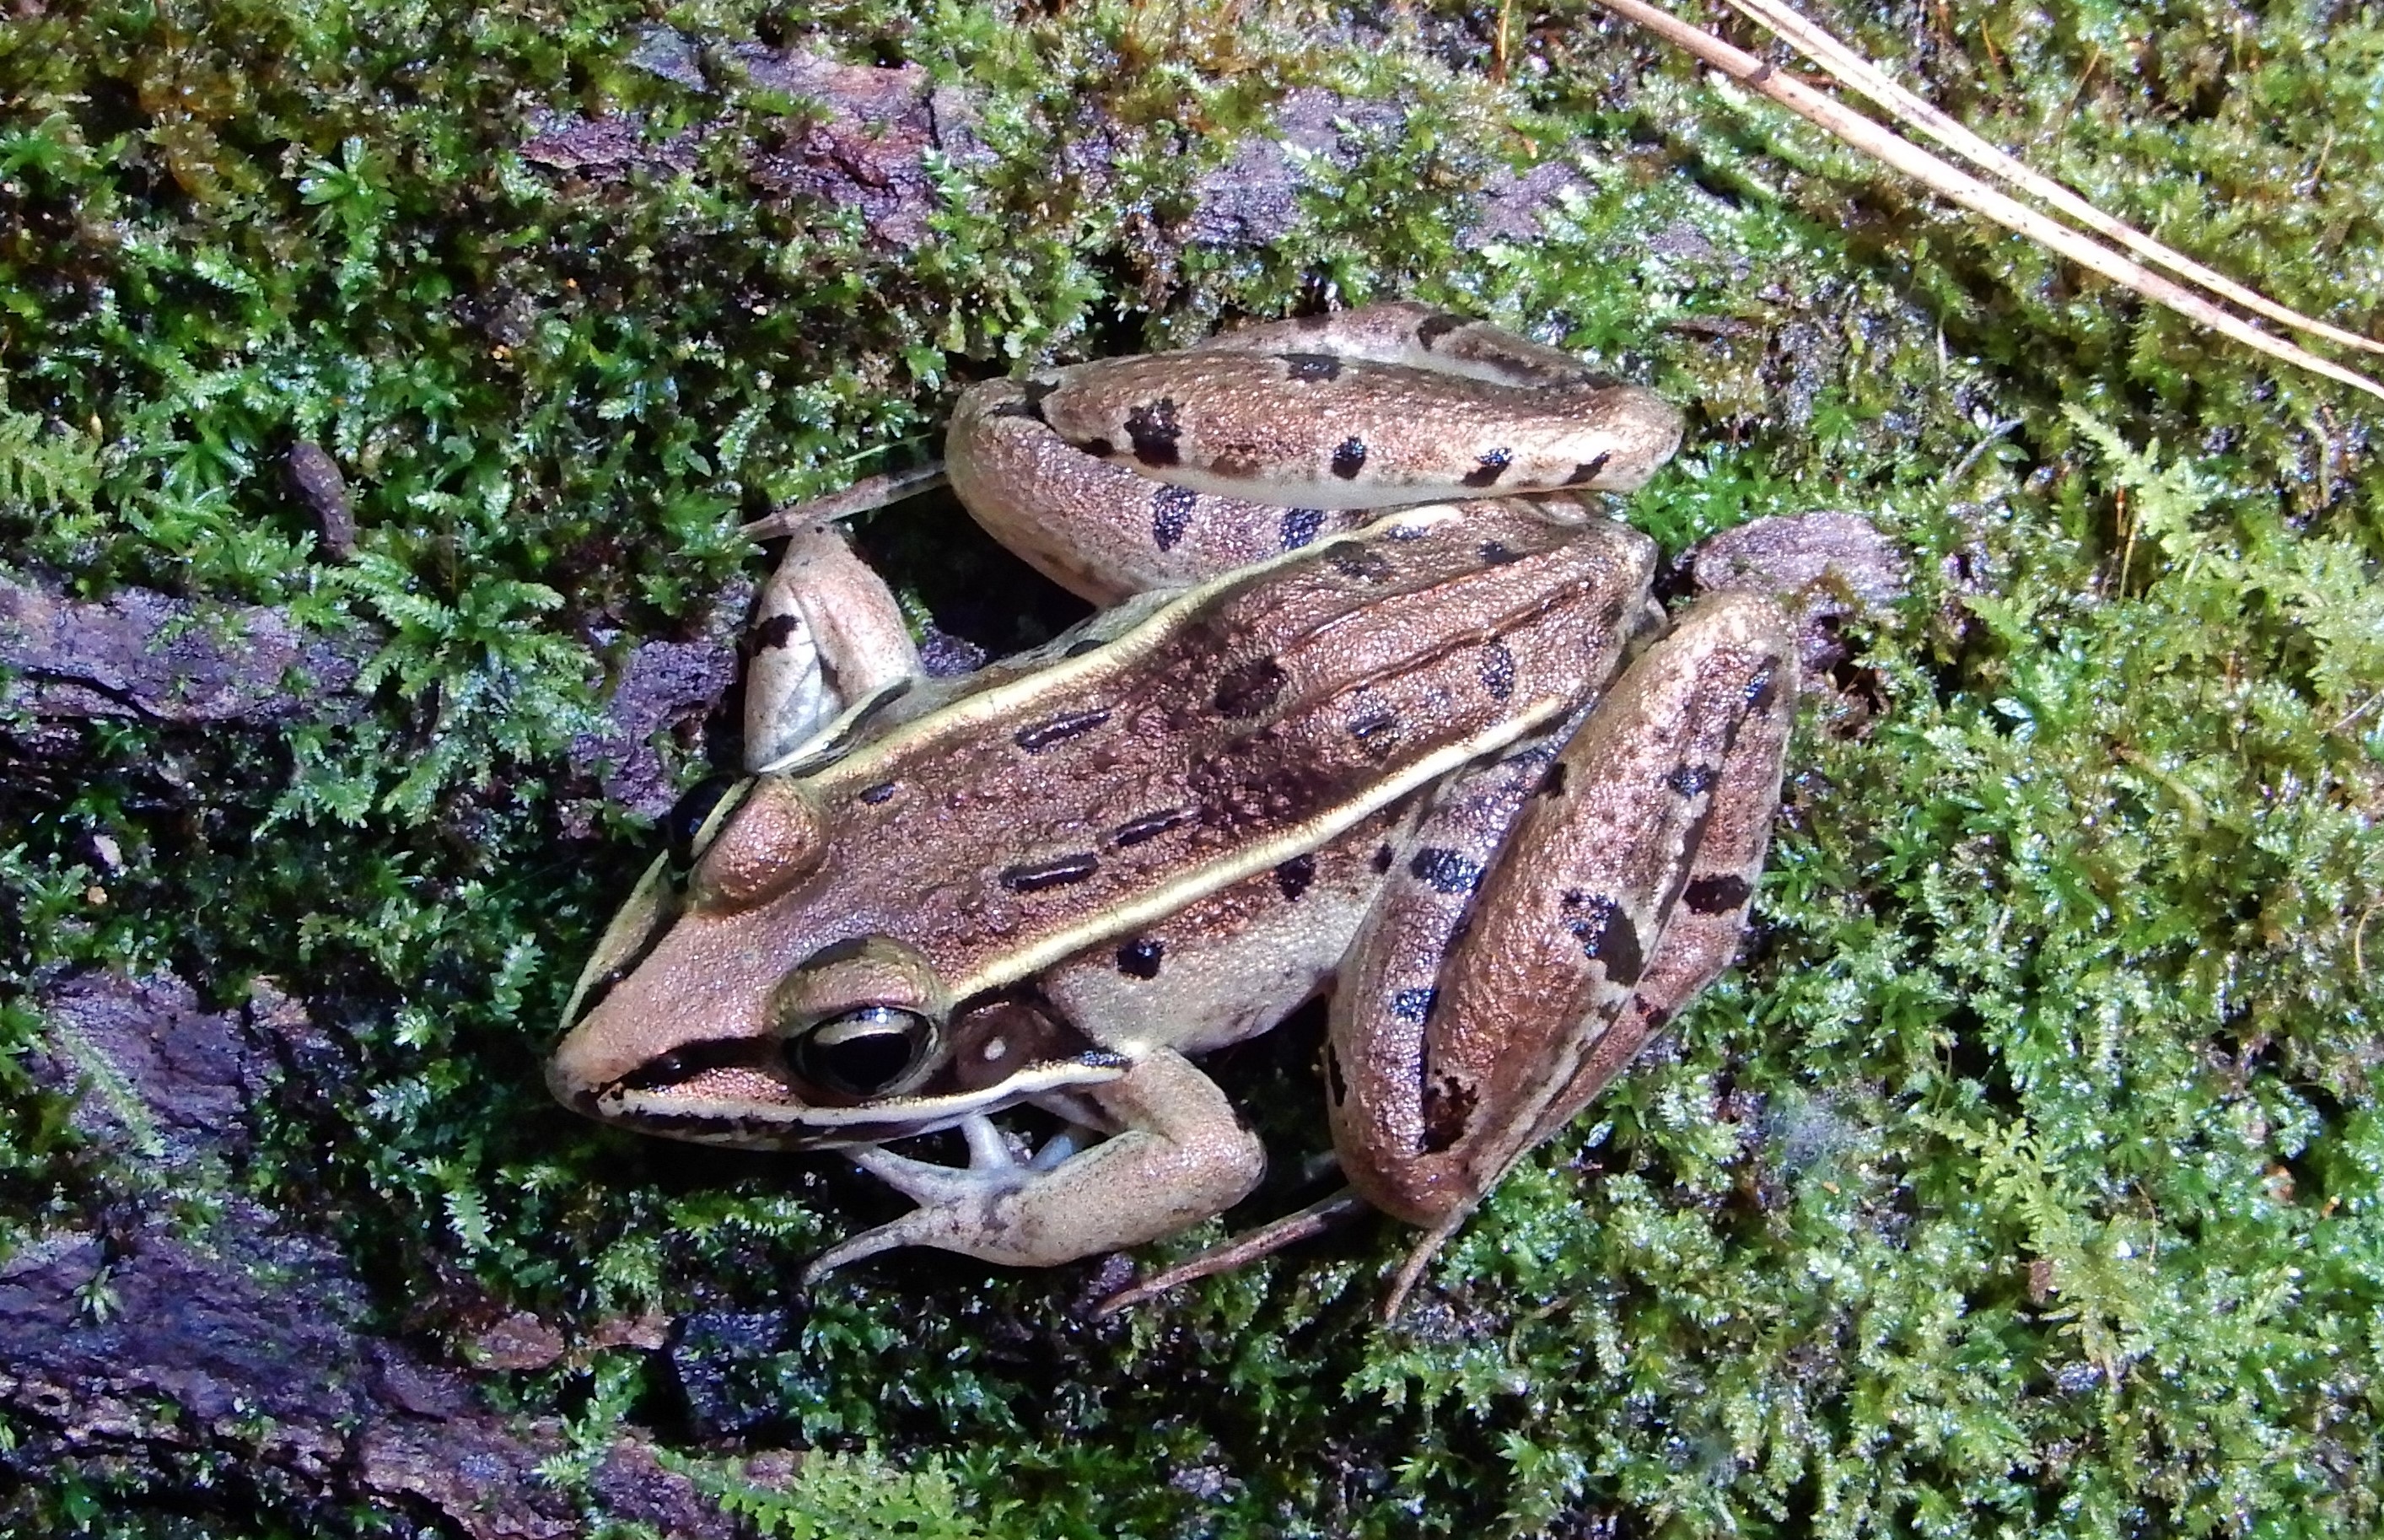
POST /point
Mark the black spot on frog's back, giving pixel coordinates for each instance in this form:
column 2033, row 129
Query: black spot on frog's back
column 1764, row 688
column 1029, row 402
column 1310, row 367
column 1150, row 825
column 1587, row 470
column 1444, row 871
column 1433, row 328
column 1690, row 780
column 1607, row 935
column 1140, row 957
column 1497, row 670
column 1292, row 878
column 1154, row 432
column 777, row 632
column 1717, row 894
column 1489, row 467
column 1058, row 872
column 1448, row 1112
column 1361, row 564
column 1299, row 527
column 1376, row 728
column 1350, row 458
column 1035, row 737
column 1247, row 688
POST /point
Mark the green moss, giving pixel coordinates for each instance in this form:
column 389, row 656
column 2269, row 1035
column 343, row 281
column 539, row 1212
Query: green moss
column 2026, row 1179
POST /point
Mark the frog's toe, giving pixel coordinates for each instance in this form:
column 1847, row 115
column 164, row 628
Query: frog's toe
column 960, row 1209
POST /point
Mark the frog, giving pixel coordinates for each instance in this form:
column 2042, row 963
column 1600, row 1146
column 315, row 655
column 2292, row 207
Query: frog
column 1378, row 705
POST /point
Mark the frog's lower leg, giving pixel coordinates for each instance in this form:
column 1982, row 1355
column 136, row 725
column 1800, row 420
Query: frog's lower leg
column 1702, row 930
column 1616, row 896
column 1417, row 335
column 827, row 637
column 1182, row 1157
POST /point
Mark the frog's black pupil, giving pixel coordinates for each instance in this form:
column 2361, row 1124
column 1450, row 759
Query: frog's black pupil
column 862, row 1052
column 687, row 816
column 863, row 1064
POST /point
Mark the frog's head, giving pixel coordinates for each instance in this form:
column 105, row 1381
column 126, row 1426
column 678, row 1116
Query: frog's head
column 735, row 1000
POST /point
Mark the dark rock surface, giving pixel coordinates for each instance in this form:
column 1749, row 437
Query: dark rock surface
column 236, row 1361
column 143, row 654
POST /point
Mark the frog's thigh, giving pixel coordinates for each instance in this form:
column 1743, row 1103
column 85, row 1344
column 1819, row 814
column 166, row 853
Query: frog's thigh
column 1182, row 1156
column 1481, row 1010
column 1100, row 530
column 827, row 635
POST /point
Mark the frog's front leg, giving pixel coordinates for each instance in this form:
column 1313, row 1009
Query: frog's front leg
column 1489, row 999
column 827, row 637
column 1180, row 1156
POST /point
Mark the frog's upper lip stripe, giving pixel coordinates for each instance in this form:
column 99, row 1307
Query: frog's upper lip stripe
column 724, row 1120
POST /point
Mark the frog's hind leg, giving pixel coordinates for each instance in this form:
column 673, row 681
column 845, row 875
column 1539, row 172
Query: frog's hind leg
column 1239, row 1251
column 1317, row 431
column 1420, row 336
column 1702, row 926
column 1126, row 475
column 1483, row 1010
column 1103, row 530
column 828, row 640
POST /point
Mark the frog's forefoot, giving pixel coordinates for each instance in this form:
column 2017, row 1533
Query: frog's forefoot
column 958, row 1205
column 984, row 1208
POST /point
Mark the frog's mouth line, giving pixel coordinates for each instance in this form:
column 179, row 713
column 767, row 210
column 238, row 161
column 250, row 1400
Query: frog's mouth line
column 737, row 1093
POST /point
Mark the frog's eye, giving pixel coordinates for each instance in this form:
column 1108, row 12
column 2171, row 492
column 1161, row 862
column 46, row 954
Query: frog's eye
column 865, row 1052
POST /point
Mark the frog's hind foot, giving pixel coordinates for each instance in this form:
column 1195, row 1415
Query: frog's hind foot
column 1239, row 1251
column 828, row 638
